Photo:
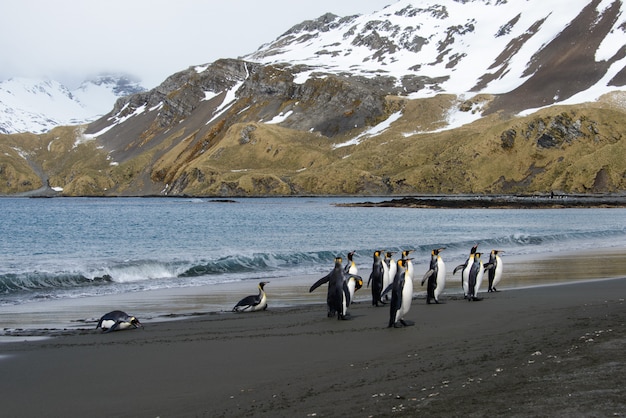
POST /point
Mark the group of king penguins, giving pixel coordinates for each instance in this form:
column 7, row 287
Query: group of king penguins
column 391, row 283
column 388, row 276
column 395, row 277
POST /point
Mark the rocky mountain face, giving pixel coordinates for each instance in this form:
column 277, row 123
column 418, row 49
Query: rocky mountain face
column 437, row 97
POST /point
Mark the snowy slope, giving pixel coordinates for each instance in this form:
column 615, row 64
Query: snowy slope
column 33, row 105
column 459, row 42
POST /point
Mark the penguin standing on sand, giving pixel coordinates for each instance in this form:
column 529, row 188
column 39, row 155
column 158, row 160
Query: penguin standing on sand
column 401, row 296
column 465, row 269
column 495, row 272
column 476, row 273
column 117, row 320
column 353, row 280
column 338, row 296
column 409, row 264
column 376, row 278
column 390, row 266
column 253, row 303
column 436, row 276
column 351, row 267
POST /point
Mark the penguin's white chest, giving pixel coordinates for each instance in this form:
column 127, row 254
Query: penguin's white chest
column 261, row 304
column 407, row 296
column 441, row 277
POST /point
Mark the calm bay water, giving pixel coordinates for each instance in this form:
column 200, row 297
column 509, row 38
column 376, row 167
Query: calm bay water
column 70, row 248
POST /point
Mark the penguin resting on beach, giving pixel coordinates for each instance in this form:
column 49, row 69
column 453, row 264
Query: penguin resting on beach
column 436, row 276
column 253, row 303
column 401, row 296
column 117, row 320
column 495, row 272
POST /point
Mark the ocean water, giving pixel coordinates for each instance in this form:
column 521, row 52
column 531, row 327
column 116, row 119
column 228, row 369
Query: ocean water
column 77, row 248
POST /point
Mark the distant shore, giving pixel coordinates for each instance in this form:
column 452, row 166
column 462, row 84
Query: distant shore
column 555, row 200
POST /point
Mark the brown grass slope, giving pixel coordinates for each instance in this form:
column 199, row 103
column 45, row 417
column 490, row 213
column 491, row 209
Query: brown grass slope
column 564, row 148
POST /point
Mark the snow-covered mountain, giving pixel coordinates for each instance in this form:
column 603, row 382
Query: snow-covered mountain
column 35, row 105
column 467, row 47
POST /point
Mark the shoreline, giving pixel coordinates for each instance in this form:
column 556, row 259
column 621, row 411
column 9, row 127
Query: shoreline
column 81, row 314
column 550, row 351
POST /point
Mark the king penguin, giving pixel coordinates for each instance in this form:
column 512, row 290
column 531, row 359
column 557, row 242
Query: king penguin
column 401, row 295
column 476, row 273
column 117, row 320
column 253, row 303
column 390, row 268
column 338, row 296
column 436, row 276
column 409, row 264
column 495, row 272
column 465, row 269
column 376, row 278
column 351, row 267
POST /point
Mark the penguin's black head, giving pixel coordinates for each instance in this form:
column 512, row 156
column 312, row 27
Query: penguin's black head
column 473, row 250
column 406, row 253
column 436, row 251
column 262, row 284
column 135, row 322
column 390, row 253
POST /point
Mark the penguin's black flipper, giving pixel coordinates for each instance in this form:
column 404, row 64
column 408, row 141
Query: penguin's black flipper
column 427, row 275
column 113, row 327
column 387, row 290
column 320, row 282
column 459, row 267
column 488, row 266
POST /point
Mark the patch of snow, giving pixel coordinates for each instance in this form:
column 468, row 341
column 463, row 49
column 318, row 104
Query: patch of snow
column 373, row 131
column 281, row 117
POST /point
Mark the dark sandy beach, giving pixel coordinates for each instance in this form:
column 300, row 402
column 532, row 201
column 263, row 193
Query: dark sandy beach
column 541, row 351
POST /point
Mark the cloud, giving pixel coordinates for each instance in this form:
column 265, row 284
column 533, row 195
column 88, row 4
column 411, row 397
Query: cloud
column 150, row 39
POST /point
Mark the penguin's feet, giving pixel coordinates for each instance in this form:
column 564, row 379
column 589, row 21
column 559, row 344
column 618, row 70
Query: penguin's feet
column 345, row 317
column 476, row 298
column 406, row 323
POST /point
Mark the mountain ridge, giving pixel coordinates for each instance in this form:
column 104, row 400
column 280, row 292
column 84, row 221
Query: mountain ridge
column 442, row 98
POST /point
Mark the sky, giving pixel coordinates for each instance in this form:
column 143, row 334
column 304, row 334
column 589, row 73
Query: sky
column 71, row 40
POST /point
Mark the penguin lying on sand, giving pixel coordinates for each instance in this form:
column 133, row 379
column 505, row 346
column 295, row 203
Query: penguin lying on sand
column 117, row 320
column 253, row 303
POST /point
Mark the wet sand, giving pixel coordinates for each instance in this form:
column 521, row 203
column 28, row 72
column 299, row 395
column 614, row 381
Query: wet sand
column 533, row 351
